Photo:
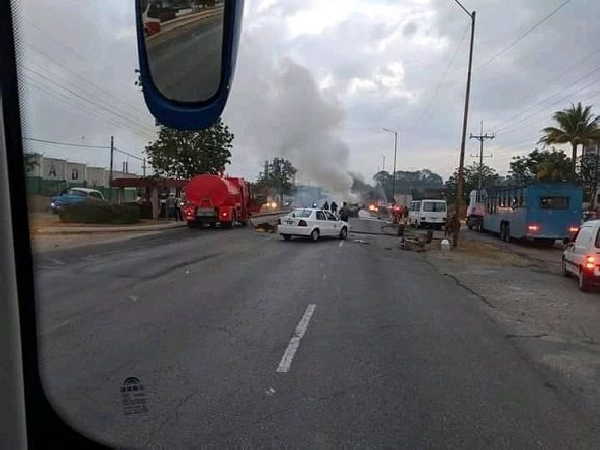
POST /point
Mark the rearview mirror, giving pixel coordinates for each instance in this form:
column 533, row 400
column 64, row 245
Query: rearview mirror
column 187, row 53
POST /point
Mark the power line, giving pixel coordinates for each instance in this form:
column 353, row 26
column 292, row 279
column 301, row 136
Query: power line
column 128, row 154
column 99, row 105
column 507, row 124
column 522, row 36
column 68, row 144
column 84, row 106
column 545, row 108
column 103, row 91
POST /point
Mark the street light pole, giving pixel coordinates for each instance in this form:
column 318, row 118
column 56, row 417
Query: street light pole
column 394, row 170
column 460, row 185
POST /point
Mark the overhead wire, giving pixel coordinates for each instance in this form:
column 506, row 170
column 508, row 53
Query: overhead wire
column 524, row 35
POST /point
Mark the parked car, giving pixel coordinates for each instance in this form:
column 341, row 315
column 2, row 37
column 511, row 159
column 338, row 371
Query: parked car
column 312, row 223
column 582, row 256
column 74, row 195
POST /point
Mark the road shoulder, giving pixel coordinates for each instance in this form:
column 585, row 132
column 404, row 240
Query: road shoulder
column 544, row 314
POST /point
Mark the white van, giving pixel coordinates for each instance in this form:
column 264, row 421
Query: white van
column 428, row 213
column 582, row 256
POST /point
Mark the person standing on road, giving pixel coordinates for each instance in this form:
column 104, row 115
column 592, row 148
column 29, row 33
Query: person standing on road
column 325, row 206
column 334, row 207
column 344, row 213
column 171, row 205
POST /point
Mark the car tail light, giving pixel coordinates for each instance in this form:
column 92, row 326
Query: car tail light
column 533, row 228
column 224, row 214
column 573, row 229
column 301, row 223
column 590, row 262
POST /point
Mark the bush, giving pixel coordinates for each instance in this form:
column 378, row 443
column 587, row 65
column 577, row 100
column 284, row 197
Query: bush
column 100, row 212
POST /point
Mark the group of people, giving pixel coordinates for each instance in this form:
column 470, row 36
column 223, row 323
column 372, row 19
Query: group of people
column 343, row 214
column 172, row 207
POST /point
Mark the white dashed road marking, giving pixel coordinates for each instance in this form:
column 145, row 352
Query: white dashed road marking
column 290, row 351
column 341, row 244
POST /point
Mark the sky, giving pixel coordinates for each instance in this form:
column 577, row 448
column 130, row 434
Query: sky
column 317, row 80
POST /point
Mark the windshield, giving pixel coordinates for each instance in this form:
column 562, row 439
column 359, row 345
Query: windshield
column 190, row 303
column 554, row 202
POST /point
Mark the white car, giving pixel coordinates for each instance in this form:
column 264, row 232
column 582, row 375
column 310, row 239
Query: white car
column 312, row 223
column 582, row 256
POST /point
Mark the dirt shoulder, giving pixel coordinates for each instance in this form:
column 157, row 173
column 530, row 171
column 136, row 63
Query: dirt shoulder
column 522, row 288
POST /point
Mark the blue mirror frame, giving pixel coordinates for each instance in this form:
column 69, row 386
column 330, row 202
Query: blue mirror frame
column 193, row 115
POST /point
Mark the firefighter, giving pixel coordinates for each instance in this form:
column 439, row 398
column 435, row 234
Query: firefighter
column 325, row 206
column 334, row 207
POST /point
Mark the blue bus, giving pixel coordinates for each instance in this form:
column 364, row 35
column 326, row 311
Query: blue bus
column 542, row 212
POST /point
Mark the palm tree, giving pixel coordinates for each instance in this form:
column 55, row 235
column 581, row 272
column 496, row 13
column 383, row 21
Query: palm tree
column 576, row 125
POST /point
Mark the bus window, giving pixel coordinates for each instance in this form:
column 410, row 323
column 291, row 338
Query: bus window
column 554, row 202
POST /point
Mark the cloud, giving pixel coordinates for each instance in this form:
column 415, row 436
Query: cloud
column 409, row 29
column 357, row 65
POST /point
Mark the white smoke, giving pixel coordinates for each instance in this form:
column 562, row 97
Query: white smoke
column 277, row 109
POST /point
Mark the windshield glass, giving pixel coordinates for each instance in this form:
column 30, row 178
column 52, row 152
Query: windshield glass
column 554, row 202
column 190, row 303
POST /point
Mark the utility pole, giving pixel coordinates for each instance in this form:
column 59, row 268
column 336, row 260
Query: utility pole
column 110, row 173
column 144, row 167
column 460, row 185
column 594, row 200
column 394, row 170
column 481, row 138
column 383, row 164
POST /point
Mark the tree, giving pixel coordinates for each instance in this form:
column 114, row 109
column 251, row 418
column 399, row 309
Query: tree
column 589, row 173
column 576, row 125
column 471, row 176
column 183, row 154
column 544, row 165
column 278, row 177
column 406, row 181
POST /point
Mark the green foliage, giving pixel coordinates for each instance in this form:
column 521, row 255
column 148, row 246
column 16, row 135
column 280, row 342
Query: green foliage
column 576, row 126
column 100, row 213
column 277, row 178
column 471, row 175
column 546, row 165
column 184, row 154
column 589, row 173
column 406, row 182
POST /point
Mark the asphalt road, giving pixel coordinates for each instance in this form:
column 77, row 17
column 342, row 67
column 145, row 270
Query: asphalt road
column 393, row 355
column 187, row 66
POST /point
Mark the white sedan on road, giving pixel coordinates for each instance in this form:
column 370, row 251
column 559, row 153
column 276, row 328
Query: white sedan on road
column 312, row 223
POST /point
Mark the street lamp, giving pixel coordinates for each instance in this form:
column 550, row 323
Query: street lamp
column 394, row 172
column 460, row 185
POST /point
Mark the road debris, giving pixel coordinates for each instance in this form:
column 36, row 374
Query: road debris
column 360, row 241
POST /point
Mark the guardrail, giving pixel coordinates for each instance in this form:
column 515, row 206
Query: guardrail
column 178, row 22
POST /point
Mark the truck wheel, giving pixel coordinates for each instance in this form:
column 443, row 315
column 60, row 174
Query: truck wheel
column 314, row 236
column 287, row 237
column 344, row 234
column 584, row 282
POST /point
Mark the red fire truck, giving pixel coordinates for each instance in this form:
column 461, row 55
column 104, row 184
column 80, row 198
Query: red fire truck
column 214, row 199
